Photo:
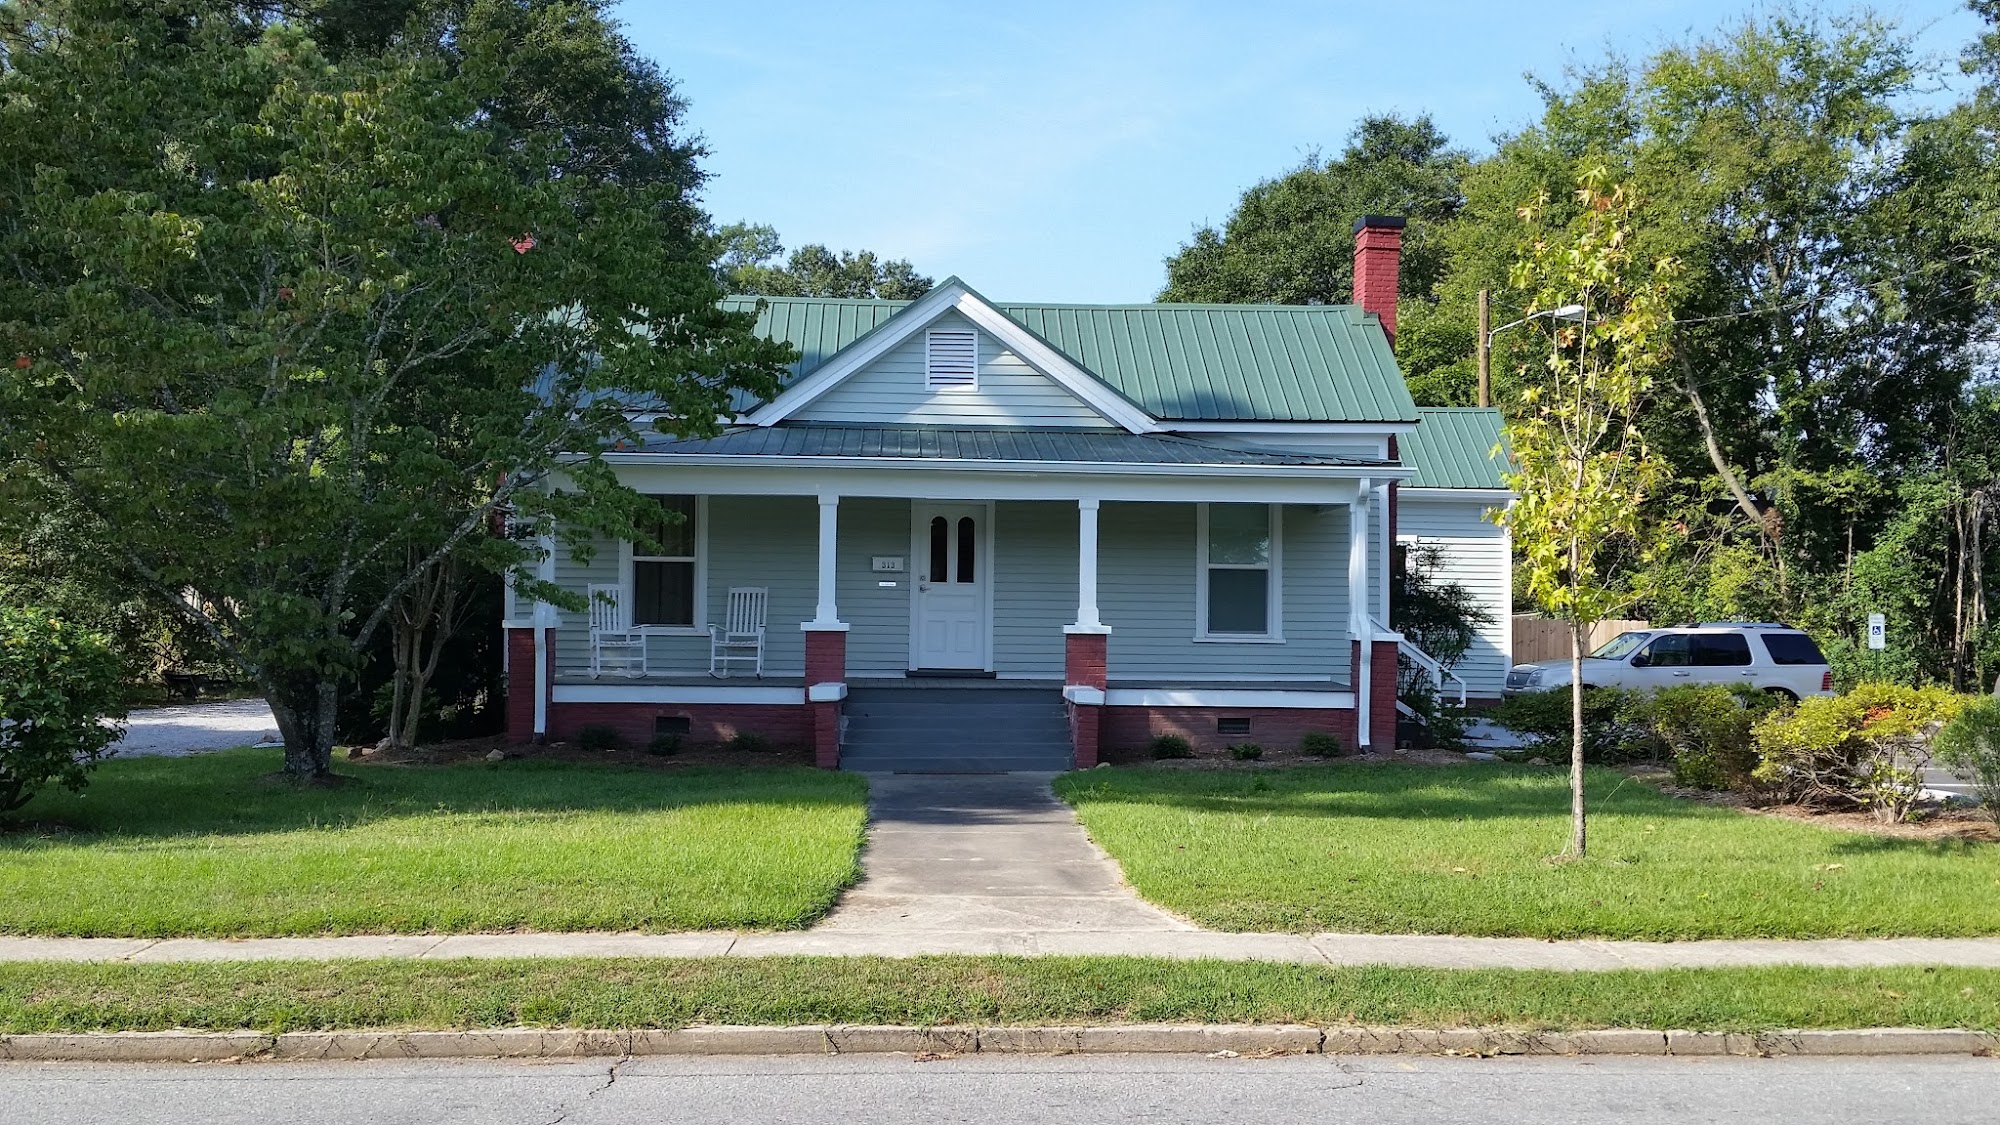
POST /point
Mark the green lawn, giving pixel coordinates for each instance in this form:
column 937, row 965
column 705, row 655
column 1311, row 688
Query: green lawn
column 206, row 846
column 1406, row 849
column 988, row 991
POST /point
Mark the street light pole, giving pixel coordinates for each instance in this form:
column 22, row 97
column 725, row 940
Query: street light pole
column 1573, row 313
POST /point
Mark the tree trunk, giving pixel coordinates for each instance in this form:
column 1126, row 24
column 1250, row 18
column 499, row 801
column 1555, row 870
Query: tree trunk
column 305, row 715
column 1727, row 473
column 432, row 614
column 1576, row 826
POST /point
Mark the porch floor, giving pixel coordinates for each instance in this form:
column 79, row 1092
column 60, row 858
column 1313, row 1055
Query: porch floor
column 947, row 683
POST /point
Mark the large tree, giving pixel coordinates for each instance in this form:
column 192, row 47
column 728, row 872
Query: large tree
column 1830, row 312
column 752, row 260
column 1290, row 240
column 294, row 323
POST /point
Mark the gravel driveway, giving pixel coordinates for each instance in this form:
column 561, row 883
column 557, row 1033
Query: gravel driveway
column 195, row 727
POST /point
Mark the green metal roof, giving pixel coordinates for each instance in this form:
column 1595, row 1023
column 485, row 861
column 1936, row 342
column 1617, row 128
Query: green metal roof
column 1452, row 447
column 984, row 443
column 1262, row 363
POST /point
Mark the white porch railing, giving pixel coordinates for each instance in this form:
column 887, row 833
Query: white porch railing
column 1425, row 662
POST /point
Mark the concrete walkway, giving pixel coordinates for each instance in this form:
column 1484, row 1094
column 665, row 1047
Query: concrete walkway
column 984, row 854
column 997, row 865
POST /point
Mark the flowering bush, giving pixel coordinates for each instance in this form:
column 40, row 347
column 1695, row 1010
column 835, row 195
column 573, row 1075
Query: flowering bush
column 1866, row 749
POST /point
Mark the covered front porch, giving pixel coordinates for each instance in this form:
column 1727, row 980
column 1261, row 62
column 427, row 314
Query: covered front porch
column 1223, row 602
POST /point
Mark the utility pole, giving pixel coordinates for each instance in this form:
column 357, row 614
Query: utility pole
column 1485, row 348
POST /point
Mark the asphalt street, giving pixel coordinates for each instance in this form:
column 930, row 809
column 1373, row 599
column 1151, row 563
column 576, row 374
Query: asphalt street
column 1057, row 1091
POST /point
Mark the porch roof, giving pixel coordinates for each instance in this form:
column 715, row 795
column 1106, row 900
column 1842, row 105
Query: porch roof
column 938, row 443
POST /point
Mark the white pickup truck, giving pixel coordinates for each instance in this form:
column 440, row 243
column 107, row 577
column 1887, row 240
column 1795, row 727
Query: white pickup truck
column 1774, row 658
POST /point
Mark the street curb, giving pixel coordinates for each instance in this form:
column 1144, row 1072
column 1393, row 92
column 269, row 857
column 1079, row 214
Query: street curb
column 1261, row 1040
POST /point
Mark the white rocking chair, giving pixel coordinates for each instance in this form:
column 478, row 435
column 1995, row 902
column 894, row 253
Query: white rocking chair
column 740, row 639
column 614, row 643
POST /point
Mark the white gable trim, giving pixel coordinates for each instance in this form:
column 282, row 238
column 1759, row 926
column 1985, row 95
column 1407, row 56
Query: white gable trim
column 919, row 316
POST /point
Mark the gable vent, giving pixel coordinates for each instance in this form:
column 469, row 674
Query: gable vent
column 951, row 358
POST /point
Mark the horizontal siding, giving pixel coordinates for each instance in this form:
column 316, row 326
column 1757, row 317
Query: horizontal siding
column 768, row 541
column 1475, row 555
column 573, row 573
column 891, row 391
column 878, row 617
column 1034, row 586
column 1146, row 592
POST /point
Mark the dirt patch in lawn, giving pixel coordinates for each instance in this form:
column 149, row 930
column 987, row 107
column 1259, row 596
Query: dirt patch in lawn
column 1277, row 759
column 690, row 755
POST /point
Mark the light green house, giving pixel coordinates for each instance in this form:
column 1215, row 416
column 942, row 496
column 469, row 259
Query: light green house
column 979, row 535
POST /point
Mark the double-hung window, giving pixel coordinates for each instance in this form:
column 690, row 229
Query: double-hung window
column 1237, row 596
column 665, row 585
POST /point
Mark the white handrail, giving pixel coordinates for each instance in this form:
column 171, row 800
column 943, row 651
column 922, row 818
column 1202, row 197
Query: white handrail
column 1438, row 672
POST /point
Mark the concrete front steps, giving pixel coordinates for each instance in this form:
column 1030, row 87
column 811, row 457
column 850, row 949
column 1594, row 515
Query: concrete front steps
column 955, row 730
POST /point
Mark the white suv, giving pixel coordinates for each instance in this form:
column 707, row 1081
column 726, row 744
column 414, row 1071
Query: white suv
column 1776, row 658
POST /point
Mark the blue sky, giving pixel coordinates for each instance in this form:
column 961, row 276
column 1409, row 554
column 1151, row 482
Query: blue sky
column 1048, row 151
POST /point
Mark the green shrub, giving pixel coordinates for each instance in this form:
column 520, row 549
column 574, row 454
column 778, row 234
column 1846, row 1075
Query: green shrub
column 750, row 742
column 1970, row 744
column 598, row 737
column 1615, row 723
column 664, row 745
column 1706, row 732
column 1866, row 749
column 1321, row 744
column 1246, row 751
column 58, row 683
column 1441, row 720
column 1172, row 746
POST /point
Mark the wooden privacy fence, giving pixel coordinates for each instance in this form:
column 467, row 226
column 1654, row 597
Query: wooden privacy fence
column 1539, row 638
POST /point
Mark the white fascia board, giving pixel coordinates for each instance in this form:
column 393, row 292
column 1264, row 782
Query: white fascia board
column 762, row 476
column 1376, row 473
column 670, row 694
column 1228, row 697
column 999, row 325
column 1412, row 494
column 1056, row 365
column 1267, row 429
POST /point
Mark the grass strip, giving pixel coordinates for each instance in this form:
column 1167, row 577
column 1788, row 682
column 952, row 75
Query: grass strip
column 209, row 846
column 1395, row 849
column 931, row 991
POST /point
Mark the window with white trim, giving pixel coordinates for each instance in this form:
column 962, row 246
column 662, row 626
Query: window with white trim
column 664, row 585
column 1238, row 549
column 951, row 358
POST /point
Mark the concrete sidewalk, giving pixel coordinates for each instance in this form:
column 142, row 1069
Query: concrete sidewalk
column 1309, row 949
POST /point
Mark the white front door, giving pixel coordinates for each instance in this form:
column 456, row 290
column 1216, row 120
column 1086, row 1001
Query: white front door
column 949, row 624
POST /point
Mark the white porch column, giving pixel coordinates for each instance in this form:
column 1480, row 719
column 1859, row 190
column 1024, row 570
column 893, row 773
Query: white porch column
column 827, row 613
column 1382, row 549
column 545, row 619
column 1358, row 609
column 1086, row 564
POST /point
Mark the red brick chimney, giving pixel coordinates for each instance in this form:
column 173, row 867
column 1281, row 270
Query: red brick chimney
column 1378, row 257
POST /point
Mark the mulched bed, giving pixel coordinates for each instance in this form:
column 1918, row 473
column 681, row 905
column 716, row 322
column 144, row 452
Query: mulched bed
column 1276, row 758
column 693, row 754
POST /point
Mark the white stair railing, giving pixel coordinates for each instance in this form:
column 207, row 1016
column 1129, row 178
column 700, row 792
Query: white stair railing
column 1425, row 661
